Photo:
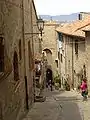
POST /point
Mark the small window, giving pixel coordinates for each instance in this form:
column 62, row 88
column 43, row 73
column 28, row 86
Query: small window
column 59, row 55
column 84, row 71
column 1, row 55
column 76, row 47
column 61, row 58
column 20, row 54
column 56, row 63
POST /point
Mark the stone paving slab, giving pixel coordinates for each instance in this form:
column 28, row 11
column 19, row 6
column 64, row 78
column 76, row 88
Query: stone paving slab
column 45, row 110
column 60, row 106
column 85, row 108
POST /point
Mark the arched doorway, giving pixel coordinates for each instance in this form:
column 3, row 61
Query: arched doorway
column 49, row 78
column 15, row 66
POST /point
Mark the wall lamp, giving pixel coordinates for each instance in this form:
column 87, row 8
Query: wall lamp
column 40, row 25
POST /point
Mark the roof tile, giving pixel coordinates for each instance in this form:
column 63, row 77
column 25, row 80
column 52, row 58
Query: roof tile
column 75, row 28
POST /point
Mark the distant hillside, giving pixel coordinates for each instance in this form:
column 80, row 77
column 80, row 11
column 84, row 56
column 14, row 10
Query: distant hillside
column 64, row 18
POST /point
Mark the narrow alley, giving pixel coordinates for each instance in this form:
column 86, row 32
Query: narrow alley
column 60, row 105
column 44, row 46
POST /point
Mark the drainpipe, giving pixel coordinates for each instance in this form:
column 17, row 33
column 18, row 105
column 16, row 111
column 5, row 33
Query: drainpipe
column 32, row 28
column 34, row 81
column 72, row 66
column 65, row 59
column 25, row 77
column 59, row 34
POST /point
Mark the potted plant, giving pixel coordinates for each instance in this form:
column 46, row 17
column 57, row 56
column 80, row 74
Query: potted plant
column 57, row 81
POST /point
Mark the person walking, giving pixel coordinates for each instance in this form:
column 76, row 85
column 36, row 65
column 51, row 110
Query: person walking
column 84, row 89
column 49, row 78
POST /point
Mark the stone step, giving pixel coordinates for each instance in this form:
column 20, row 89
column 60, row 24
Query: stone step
column 40, row 98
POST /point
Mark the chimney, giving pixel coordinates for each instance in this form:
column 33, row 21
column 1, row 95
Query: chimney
column 80, row 16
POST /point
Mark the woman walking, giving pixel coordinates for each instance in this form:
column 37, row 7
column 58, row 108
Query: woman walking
column 84, row 89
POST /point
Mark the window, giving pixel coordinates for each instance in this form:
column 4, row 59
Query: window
column 60, row 35
column 59, row 55
column 1, row 55
column 69, row 64
column 84, row 71
column 56, row 63
column 61, row 58
column 20, row 54
column 76, row 47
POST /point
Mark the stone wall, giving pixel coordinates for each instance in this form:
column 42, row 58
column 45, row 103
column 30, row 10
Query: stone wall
column 76, row 61
column 72, row 65
column 1, row 16
column 12, row 93
column 29, row 47
column 88, row 58
column 79, row 61
column 84, row 15
column 50, row 42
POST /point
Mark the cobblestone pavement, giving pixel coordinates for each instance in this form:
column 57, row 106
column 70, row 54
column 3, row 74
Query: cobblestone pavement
column 60, row 105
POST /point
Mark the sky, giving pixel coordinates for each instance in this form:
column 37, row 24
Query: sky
column 59, row 7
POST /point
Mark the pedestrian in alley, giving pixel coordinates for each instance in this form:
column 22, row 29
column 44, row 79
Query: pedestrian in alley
column 84, row 89
column 49, row 78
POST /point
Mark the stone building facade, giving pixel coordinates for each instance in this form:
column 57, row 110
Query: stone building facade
column 83, row 15
column 16, row 57
column 50, row 44
column 86, row 29
column 73, row 52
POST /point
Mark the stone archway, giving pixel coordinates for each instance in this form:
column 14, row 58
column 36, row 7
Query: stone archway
column 48, row 56
column 47, row 50
column 15, row 66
